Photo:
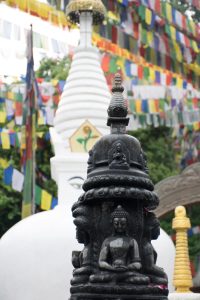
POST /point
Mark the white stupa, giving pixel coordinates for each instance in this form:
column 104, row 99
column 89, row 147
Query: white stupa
column 35, row 254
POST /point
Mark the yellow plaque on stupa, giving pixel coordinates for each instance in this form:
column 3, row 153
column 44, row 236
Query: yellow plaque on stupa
column 84, row 138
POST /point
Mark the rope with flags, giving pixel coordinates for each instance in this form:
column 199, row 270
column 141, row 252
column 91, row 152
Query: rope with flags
column 29, row 115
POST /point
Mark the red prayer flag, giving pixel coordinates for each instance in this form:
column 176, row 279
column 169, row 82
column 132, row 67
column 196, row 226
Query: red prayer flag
column 140, row 72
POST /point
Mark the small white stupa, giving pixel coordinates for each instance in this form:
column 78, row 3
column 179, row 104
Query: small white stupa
column 35, row 254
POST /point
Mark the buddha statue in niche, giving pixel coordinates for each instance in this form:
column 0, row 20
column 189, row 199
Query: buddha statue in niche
column 119, row 259
column 149, row 255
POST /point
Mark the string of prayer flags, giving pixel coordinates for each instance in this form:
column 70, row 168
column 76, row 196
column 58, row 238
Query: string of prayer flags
column 172, row 15
column 15, row 179
column 41, row 10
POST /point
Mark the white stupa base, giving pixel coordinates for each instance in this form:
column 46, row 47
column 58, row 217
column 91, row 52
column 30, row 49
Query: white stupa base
column 184, row 296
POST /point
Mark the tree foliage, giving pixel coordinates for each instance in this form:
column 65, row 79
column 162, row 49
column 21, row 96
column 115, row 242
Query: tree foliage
column 10, row 200
column 54, row 68
column 157, row 143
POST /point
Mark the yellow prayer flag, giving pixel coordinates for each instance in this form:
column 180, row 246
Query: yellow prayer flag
column 169, row 12
column 120, row 63
column 192, row 26
column 22, row 4
column 40, row 118
column 2, row 116
column 149, row 37
column 173, row 33
column 179, row 82
column 195, row 47
column 138, row 106
column 11, row 124
column 152, row 106
column 196, row 126
column 40, row 134
column 148, row 16
column 152, row 75
column 23, row 137
column 46, row 200
column 177, row 49
column 5, row 139
column 54, row 82
column 44, row 10
column 4, row 163
column 11, row 2
column 41, row 121
column 10, row 95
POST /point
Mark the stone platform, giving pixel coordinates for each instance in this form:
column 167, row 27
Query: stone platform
column 117, row 292
column 117, row 297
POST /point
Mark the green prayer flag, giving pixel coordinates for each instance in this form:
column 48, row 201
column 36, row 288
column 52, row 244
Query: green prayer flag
column 146, row 72
column 38, row 195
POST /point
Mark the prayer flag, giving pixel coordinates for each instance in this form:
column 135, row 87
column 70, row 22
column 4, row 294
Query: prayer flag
column 5, row 140
column 46, row 200
column 7, row 176
column 17, row 180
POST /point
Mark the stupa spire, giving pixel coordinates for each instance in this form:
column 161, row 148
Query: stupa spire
column 117, row 110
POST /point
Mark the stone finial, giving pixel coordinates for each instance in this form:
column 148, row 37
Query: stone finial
column 96, row 7
column 182, row 273
column 117, row 110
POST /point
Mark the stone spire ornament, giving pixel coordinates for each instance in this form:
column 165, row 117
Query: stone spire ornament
column 113, row 219
column 182, row 272
column 95, row 7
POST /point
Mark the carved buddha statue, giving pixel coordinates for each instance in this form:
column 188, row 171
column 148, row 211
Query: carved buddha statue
column 149, row 255
column 119, row 258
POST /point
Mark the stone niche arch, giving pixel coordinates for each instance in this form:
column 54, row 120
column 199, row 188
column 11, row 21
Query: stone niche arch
column 183, row 189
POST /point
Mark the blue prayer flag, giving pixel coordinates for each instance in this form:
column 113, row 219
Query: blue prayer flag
column 7, row 176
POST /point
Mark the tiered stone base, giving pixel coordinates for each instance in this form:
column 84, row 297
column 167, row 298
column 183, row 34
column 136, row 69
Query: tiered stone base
column 120, row 292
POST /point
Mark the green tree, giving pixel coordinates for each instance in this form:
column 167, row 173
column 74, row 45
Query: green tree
column 10, row 200
column 54, row 68
column 157, row 143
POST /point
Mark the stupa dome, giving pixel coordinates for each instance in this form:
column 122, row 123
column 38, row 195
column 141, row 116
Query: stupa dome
column 35, row 257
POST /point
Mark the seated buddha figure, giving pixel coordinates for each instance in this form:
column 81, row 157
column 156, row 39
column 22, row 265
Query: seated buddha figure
column 119, row 259
column 149, row 255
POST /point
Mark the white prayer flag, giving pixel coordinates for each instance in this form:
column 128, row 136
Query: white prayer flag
column 17, row 180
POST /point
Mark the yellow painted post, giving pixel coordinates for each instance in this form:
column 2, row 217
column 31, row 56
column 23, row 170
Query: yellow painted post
column 182, row 273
